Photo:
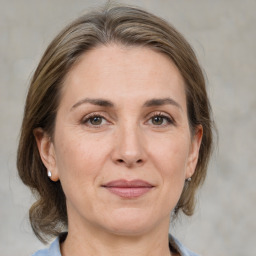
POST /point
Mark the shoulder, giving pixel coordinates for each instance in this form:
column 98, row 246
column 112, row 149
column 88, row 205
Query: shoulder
column 179, row 247
column 53, row 250
column 43, row 252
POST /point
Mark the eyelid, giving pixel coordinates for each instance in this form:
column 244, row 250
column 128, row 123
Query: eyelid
column 87, row 117
column 168, row 117
column 84, row 120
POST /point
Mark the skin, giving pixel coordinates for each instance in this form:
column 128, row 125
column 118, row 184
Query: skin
column 132, row 139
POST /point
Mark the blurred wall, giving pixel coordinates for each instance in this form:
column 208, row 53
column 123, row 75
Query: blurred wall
column 223, row 35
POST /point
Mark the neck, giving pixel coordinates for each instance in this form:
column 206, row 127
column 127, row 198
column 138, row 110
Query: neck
column 90, row 243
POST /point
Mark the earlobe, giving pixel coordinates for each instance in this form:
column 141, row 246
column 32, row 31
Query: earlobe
column 194, row 151
column 46, row 150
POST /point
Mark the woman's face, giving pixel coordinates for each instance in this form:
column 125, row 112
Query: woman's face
column 122, row 146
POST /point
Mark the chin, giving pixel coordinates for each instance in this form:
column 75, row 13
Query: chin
column 130, row 222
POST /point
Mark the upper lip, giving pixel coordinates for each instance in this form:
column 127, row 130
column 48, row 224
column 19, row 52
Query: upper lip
column 128, row 184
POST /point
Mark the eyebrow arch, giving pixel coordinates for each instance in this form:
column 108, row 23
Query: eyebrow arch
column 97, row 102
column 160, row 102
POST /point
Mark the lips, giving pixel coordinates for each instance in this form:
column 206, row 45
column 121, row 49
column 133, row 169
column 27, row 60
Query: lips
column 128, row 189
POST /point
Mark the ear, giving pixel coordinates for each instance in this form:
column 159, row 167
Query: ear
column 194, row 151
column 47, row 153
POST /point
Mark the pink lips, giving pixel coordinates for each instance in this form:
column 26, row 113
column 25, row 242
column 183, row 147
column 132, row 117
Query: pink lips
column 128, row 189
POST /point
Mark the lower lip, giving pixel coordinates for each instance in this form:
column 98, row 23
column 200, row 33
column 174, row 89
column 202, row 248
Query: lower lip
column 129, row 193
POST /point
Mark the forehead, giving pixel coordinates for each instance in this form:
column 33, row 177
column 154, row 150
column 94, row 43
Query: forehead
column 122, row 72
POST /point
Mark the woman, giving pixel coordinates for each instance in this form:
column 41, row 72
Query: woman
column 116, row 136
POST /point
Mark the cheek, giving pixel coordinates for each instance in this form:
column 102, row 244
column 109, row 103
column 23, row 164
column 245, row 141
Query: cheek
column 78, row 156
column 170, row 158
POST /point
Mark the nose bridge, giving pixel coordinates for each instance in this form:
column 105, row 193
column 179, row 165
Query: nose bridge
column 129, row 149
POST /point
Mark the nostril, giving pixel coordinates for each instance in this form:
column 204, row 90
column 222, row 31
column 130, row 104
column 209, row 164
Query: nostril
column 122, row 161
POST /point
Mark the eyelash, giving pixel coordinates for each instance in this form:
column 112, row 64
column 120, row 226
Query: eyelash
column 89, row 117
column 169, row 120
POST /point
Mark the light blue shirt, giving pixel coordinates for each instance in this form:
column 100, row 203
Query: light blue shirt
column 54, row 249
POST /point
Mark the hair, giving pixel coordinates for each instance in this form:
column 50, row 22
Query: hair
column 120, row 24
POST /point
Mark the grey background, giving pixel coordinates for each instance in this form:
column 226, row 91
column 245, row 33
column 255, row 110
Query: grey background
column 223, row 35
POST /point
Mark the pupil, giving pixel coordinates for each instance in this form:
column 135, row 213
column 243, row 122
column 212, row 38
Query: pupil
column 96, row 120
column 157, row 120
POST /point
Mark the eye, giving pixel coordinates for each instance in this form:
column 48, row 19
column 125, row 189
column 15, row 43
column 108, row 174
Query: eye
column 94, row 120
column 157, row 120
column 160, row 119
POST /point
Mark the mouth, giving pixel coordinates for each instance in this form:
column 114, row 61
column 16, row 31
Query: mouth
column 128, row 189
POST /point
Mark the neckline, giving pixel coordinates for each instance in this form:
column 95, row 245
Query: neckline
column 173, row 246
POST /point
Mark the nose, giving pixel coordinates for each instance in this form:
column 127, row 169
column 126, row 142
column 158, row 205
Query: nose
column 129, row 147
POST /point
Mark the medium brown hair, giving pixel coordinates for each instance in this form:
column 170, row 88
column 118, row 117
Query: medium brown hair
column 120, row 24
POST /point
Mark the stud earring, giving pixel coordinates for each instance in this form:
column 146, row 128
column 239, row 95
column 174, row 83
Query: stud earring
column 188, row 179
column 49, row 173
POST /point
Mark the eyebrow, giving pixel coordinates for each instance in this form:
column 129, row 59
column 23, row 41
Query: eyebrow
column 106, row 103
column 97, row 102
column 161, row 102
